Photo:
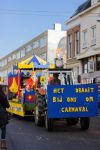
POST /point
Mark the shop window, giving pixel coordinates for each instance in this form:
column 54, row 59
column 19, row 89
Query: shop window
column 85, row 66
column 91, row 66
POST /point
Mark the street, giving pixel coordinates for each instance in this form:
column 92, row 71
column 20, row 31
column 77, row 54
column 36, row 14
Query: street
column 22, row 134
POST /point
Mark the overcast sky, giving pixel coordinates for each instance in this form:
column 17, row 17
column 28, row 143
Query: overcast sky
column 22, row 20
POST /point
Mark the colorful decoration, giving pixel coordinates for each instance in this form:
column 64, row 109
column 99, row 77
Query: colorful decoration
column 13, row 84
column 30, row 98
column 36, row 61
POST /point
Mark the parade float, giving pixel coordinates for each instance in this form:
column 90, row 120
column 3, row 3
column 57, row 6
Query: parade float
column 22, row 85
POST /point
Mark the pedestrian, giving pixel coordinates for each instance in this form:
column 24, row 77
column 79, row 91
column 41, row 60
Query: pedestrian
column 55, row 80
column 3, row 117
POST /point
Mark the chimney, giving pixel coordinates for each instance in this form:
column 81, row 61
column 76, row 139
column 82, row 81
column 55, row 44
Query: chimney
column 57, row 27
column 93, row 2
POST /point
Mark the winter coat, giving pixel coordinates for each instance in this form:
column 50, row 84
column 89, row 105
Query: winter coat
column 55, row 82
column 3, row 105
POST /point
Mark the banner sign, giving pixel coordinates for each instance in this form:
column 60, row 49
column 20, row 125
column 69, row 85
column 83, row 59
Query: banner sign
column 72, row 100
column 16, row 108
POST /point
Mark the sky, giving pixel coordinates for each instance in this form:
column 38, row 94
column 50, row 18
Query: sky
column 22, row 20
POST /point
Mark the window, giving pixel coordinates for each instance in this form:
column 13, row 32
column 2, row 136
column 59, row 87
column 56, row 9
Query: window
column 36, row 44
column 4, row 73
column 18, row 55
column 85, row 66
column 76, row 73
column 84, row 38
column 77, row 42
column 9, row 70
column 9, row 58
column 91, row 66
column 43, row 42
column 70, row 46
column 98, row 63
column 93, row 2
column 0, row 64
column 93, row 41
column 22, row 52
column 14, row 56
column 28, row 48
column 1, row 74
column 88, row 65
column 43, row 56
column 4, row 62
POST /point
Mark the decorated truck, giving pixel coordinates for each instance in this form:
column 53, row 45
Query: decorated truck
column 63, row 99
column 21, row 92
column 21, row 86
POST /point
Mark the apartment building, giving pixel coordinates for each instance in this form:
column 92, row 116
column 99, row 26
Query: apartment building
column 73, row 47
column 44, row 45
column 88, row 54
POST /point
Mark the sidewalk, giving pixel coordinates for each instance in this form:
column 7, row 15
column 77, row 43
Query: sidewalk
column 10, row 142
column 9, row 145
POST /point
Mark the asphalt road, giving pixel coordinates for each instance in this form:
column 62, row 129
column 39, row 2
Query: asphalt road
column 22, row 134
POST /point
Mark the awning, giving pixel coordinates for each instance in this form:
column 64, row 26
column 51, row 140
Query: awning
column 34, row 62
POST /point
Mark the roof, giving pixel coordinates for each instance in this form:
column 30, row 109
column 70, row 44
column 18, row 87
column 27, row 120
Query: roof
column 82, row 7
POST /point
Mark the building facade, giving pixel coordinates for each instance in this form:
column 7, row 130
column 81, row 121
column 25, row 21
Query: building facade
column 73, row 47
column 88, row 55
column 43, row 45
column 90, row 43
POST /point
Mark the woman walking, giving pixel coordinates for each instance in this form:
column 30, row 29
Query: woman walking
column 3, row 117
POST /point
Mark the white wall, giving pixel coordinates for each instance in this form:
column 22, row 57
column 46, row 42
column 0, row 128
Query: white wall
column 87, row 21
column 54, row 37
column 73, row 23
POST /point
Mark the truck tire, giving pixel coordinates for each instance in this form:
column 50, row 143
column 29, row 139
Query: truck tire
column 72, row 121
column 38, row 111
column 36, row 116
column 85, row 122
column 48, row 123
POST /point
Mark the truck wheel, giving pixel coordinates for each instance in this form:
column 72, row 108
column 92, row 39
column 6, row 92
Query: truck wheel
column 36, row 115
column 39, row 119
column 48, row 123
column 72, row 121
column 85, row 122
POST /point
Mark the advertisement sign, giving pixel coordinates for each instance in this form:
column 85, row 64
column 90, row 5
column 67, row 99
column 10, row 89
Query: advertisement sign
column 72, row 100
